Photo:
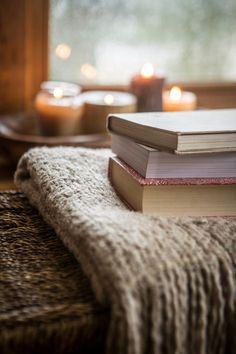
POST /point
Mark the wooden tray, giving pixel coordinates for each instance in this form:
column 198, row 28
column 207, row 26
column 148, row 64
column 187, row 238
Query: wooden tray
column 19, row 133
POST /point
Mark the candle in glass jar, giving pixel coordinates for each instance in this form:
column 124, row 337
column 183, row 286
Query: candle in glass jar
column 147, row 87
column 98, row 104
column 178, row 100
column 59, row 108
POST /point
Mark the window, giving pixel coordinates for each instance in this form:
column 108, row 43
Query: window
column 107, row 41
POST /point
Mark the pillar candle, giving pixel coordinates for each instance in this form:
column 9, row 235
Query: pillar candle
column 147, row 87
column 59, row 109
column 98, row 104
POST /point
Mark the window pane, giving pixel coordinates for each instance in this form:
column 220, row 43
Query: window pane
column 107, row 41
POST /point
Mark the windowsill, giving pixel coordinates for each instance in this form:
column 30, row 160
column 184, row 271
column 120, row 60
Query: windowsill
column 210, row 94
column 217, row 85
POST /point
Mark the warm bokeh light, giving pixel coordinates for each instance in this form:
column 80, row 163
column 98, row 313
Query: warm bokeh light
column 58, row 93
column 109, row 99
column 147, row 70
column 175, row 94
column 88, row 70
column 63, row 51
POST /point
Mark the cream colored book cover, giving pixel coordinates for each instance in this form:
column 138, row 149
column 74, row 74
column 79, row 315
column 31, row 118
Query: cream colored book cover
column 181, row 132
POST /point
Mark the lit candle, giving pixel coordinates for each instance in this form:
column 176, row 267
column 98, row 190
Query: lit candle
column 147, row 86
column 59, row 108
column 69, row 89
column 177, row 100
column 98, row 104
column 109, row 99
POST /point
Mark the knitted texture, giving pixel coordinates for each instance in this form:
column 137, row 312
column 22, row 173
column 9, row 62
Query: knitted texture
column 170, row 282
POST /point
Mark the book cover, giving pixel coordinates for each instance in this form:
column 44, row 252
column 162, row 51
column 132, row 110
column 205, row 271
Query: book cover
column 171, row 181
column 173, row 196
column 180, row 132
column 154, row 163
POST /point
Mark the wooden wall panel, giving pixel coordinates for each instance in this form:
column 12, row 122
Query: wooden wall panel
column 23, row 52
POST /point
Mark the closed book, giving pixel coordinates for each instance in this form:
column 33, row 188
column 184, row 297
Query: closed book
column 179, row 132
column 153, row 163
column 173, row 196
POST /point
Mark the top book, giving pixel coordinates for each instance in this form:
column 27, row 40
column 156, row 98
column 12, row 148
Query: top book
column 179, row 132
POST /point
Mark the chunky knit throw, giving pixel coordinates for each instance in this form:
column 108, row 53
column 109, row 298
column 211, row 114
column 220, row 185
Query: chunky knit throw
column 170, row 282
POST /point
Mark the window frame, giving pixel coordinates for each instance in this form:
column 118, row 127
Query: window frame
column 23, row 52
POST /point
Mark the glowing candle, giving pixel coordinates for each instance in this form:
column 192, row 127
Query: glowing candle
column 98, row 104
column 59, row 108
column 147, row 71
column 109, row 99
column 178, row 100
column 58, row 93
column 147, row 86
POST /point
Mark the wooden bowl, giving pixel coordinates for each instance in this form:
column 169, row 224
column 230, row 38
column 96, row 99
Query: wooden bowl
column 19, row 133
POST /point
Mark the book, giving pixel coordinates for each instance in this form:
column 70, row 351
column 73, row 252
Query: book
column 173, row 196
column 179, row 132
column 153, row 163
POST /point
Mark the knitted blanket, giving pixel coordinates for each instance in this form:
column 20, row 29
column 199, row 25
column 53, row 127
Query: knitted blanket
column 169, row 282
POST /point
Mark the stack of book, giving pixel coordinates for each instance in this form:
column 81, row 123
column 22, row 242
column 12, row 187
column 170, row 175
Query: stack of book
column 180, row 163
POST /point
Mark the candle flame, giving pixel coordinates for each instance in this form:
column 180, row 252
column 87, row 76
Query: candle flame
column 175, row 94
column 147, row 70
column 58, row 93
column 88, row 70
column 63, row 51
column 109, row 99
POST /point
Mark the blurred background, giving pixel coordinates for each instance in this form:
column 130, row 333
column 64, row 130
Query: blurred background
column 102, row 45
column 107, row 41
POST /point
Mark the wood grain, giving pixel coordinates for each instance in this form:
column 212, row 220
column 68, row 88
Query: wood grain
column 23, row 52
